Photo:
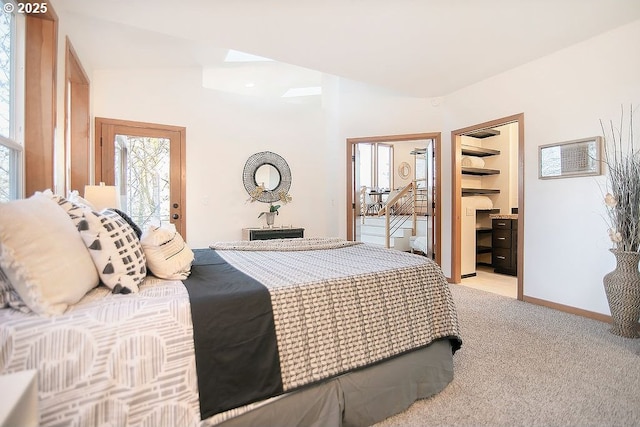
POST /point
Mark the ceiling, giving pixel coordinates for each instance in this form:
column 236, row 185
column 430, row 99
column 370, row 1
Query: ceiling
column 422, row 48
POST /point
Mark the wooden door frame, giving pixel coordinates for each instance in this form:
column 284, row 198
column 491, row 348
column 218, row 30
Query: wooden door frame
column 456, row 197
column 351, row 193
column 145, row 128
column 77, row 123
column 40, row 108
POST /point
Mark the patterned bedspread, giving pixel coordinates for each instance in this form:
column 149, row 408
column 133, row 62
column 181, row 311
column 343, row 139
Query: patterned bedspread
column 340, row 309
column 129, row 360
column 110, row 359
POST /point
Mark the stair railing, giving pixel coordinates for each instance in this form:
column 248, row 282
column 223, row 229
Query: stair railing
column 401, row 206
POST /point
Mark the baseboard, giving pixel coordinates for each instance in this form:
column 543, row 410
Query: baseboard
column 564, row 308
column 568, row 309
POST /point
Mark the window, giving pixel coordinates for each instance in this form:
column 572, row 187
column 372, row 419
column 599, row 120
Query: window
column 365, row 157
column 142, row 171
column 11, row 98
column 374, row 165
column 383, row 178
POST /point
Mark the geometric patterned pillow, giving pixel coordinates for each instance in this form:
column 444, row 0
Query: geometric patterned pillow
column 9, row 297
column 115, row 250
column 127, row 218
column 73, row 209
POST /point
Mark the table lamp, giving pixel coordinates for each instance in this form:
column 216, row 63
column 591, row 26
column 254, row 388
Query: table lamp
column 102, row 196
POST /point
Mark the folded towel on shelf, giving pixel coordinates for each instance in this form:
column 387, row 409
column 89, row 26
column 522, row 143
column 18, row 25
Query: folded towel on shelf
column 472, row 162
column 478, row 202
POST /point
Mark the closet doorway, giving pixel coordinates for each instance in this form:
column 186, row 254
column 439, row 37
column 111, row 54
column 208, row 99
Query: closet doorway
column 410, row 155
column 506, row 207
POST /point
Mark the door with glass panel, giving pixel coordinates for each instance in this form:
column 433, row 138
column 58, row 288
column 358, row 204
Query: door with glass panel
column 373, row 179
column 425, row 180
column 146, row 163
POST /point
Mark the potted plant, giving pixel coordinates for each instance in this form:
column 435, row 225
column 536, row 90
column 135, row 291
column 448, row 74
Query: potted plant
column 271, row 214
column 622, row 285
column 273, row 209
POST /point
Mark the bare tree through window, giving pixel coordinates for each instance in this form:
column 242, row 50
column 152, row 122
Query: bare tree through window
column 7, row 155
column 142, row 177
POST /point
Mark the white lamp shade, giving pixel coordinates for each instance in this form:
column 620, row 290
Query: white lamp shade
column 102, row 196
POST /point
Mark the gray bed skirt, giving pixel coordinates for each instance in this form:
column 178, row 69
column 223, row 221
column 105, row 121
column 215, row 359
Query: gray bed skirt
column 359, row 398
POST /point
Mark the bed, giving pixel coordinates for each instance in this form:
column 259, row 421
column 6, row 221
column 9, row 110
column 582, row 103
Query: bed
column 350, row 334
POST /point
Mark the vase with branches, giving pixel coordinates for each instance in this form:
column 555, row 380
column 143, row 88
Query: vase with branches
column 622, row 200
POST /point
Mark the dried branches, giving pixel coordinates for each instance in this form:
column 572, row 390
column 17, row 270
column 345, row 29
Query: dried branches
column 622, row 157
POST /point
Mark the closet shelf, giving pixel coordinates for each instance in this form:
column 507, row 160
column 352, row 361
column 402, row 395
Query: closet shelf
column 470, row 150
column 479, row 171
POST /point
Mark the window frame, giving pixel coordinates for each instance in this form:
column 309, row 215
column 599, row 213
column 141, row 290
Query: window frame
column 15, row 140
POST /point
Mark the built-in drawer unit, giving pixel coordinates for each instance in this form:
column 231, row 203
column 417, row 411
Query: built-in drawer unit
column 505, row 246
column 501, row 238
column 502, row 224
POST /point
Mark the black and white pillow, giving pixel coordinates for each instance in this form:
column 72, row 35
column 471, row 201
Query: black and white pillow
column 75, row 210
column 115, row 250
column 9, row 297
column 127, row 218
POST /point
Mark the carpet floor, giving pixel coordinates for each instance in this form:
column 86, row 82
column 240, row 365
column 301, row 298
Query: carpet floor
column 526, row 365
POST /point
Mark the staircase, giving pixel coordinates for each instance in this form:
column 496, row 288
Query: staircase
column 374, row 231
column 396, row 222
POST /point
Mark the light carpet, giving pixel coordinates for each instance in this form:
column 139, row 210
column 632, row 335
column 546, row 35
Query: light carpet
column 526, row 365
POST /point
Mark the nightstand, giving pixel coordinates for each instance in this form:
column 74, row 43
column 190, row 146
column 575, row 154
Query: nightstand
column 271, row 233
column 19, row 403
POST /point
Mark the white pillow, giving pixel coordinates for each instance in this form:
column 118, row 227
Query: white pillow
column 43, row 256
column 168, row 256
column 115, row 250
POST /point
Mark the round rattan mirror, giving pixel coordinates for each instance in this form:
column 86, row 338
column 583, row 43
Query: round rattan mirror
column 270, row 171
column 404, row 170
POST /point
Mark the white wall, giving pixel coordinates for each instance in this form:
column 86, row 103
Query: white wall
column 223, row 130
column 563, row 96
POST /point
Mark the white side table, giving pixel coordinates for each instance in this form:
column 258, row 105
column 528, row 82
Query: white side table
column 19, row 403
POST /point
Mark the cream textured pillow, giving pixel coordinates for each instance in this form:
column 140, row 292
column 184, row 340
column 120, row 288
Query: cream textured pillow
column 168, row 256
column 115, row 250
column 43, row 256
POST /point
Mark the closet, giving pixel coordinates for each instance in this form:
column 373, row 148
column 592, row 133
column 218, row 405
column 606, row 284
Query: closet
column 489, row 191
